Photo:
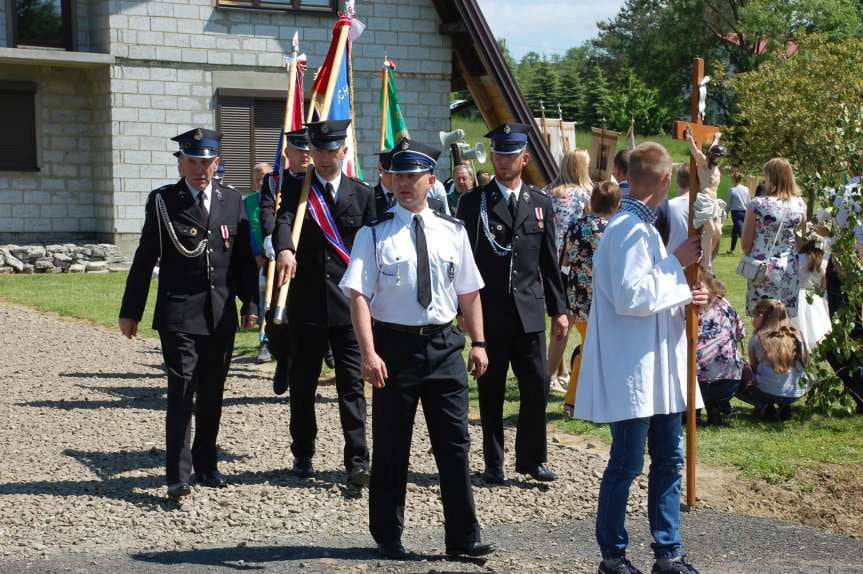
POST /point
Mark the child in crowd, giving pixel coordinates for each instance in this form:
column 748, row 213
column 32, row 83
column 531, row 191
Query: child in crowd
column 720, row 359
column 813, row 319
column 633, row 373
column 579, row 243
column 778, row 357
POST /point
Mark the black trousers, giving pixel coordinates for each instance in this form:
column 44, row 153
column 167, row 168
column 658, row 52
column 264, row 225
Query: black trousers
column 427, row 368
column 308, row 347
column 737, row 218
column 526, row 353
column 197, row 366
column 849, row 371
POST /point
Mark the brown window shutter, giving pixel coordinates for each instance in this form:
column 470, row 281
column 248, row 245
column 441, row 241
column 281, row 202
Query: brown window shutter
column 235, row 123
column 18, row 118
column 268, row 123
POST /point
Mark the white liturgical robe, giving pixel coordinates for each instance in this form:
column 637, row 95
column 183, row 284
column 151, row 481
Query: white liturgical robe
column 634, row 362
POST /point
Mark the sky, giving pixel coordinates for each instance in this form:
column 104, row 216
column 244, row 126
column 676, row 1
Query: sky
column 546, row 26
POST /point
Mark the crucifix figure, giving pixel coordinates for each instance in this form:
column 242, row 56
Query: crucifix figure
column 708, row 210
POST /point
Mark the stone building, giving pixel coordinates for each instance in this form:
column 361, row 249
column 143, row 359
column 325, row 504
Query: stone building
column 93, row 90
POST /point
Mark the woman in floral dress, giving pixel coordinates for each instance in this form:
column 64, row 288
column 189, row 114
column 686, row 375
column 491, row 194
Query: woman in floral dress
column 580, row 241
column 569, row 192
column 775, row 217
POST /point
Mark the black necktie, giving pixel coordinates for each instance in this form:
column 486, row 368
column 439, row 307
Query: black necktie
column 203, row 207
column 513, row 203
column 331, row 191
column 423, row 271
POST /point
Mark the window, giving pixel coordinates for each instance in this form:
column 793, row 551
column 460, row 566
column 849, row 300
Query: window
column 250, row 128
column 298, row 5
column 18, row 117
column 43, row 23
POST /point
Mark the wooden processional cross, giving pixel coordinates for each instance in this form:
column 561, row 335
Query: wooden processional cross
column 702, row 134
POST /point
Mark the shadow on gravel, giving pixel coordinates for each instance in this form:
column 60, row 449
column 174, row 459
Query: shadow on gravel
column 109, row 464
column 257, row 558
column 152, row 398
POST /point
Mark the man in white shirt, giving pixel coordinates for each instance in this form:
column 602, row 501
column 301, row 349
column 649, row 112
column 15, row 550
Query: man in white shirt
column 633, row 373
column 410, row 270
column 678, row 211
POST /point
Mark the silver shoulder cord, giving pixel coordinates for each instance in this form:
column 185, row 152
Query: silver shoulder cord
column 497, row 248
column 162, row 218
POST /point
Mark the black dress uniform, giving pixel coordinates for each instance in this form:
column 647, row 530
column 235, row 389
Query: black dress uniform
column 422, row 351
column 196, row 313
column 318, row 312
column 515, row 251
column 277, row 335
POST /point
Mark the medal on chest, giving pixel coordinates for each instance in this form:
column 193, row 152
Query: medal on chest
column 225, row 236
column 540, row 221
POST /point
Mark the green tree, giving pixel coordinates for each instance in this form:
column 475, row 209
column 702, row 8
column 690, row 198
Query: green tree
column 634, row 100
column 600, row 100
column 573, row 92
column 809, row 109
column 543, row 87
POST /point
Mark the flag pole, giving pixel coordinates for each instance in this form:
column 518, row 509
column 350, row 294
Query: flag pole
column 384, row 103
column 279, row 315
column 289, row 113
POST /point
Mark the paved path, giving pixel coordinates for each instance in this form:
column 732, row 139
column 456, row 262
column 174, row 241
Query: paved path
column 81, row 483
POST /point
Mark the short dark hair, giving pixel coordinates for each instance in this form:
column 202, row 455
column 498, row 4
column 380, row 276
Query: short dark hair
column 737, row 177
column 683, row 176
column 605, row 197
column 621, row 161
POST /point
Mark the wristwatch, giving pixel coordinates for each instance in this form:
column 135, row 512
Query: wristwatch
column 480, row 344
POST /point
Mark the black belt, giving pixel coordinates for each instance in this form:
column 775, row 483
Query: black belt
column 413, row 329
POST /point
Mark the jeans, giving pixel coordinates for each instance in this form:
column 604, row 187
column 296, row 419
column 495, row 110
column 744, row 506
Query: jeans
column 665, row 446
column 737, row 218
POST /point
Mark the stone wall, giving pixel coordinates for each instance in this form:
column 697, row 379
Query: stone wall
column 173, row 56
column 3, row 25
column 61, row 258
column 60, row 200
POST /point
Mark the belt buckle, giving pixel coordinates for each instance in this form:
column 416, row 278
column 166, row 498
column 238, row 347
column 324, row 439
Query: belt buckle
column 423, row 330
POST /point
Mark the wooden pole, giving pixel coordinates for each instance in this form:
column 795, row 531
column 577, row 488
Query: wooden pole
column 693, row 275
column 279, row 314
column 384, row 104
column 289, row 112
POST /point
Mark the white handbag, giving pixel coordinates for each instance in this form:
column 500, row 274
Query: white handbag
column 755, row 269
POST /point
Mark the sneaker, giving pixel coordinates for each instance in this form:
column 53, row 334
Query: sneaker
column 622, row 566
column 676, row 566
column 264, row 355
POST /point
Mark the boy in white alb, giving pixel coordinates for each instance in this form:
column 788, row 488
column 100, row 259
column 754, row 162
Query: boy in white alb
column 639, row 293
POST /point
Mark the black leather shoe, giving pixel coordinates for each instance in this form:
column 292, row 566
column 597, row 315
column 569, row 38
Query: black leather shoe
column 280, row 379
column 212, row 479
column 392, row 550
column 473, row 549
column 179, row 490
column 303, row 468
column 493, row 477
column 541, row 473
column 359, row 477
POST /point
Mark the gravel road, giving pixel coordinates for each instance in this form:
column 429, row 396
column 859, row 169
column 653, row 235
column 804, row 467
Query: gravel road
column 82, row 487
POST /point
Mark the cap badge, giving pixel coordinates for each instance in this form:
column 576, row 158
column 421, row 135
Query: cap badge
column 405, row 145
column 199, row 135
column 506, row 129
column 325, row 129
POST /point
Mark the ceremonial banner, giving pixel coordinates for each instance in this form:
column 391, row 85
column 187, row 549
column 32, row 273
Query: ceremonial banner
column 293, row 118
column 393, row 126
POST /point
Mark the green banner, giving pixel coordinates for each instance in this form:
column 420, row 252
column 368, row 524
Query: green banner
column 391, row 113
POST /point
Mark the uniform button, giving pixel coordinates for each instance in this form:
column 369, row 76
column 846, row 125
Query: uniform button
column 515, row 236
column 515, row 288
column 328, row 275
column 210, row 250
column 514, row 271
column 209, row 232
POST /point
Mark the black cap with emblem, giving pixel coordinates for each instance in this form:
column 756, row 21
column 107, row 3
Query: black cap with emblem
column 509, row 138
column 385, row 158
column 328, row 135
column 200, row 142
column 299, row 139
column 413, row 157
